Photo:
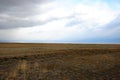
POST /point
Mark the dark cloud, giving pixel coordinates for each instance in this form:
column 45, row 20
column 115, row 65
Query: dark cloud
column 9, row 24
column 19, row 5
column 14, row 12
column 13, row 23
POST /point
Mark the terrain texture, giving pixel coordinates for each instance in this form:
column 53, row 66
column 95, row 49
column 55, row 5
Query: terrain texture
column 25, row 61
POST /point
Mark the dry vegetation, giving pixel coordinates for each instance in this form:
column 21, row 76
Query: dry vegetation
column 59, row 61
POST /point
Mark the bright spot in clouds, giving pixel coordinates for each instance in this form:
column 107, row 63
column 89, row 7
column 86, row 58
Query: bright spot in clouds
column 85, row 21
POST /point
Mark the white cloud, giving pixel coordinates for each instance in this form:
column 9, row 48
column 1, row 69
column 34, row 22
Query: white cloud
column 56, row 16
column 54, row 10
column 96, row 14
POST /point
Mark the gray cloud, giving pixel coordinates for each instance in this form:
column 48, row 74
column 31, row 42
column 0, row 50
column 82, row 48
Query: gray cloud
column 9, row 24
column 18, row 4
column 13, row 13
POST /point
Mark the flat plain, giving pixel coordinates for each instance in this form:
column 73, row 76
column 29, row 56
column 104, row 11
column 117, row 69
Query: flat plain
column 45, row 61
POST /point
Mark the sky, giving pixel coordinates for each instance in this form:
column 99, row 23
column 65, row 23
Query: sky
column 60, row 21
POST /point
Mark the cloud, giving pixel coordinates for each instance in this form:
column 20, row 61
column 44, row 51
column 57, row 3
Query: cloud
column 20, row 5
column 14, row 14
column 45, row 20
column 115, row 23
column 21, row 8
column 96, row 14
column 28, row 13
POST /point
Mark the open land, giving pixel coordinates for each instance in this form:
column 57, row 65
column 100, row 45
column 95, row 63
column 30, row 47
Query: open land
column 44, row 61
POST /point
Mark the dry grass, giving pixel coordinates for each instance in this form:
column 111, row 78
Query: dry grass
column 59, row 62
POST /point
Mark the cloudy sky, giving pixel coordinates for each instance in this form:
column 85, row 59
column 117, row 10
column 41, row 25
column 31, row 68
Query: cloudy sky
column 76, row 21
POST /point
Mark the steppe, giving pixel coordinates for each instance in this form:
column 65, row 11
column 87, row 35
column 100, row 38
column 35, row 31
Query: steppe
column 53, row 61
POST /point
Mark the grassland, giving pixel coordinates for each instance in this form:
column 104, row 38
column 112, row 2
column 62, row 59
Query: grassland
column 25, row 61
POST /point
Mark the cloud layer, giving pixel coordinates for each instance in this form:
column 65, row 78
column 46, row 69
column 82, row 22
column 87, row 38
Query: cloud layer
column 14, row 14
column 59, row 21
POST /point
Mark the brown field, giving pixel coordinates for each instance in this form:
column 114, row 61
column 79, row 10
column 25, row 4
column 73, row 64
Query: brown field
column 25, row 61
